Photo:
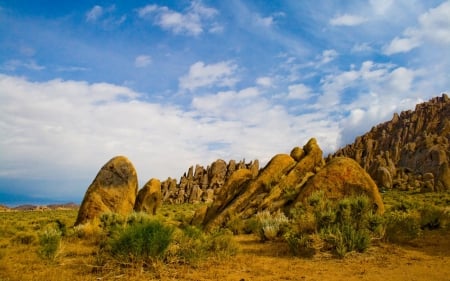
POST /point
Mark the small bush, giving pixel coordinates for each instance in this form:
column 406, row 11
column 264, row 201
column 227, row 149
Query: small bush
column 300, row 244
column 345, row 225
column 222, row 244
column 190, row 245
column 50, row 243
column 236, row 225
column 141, row 243
column 402, row 226
column 268, row 226
column 432, row 217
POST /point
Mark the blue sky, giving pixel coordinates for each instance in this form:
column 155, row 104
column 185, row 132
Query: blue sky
column 172, row 84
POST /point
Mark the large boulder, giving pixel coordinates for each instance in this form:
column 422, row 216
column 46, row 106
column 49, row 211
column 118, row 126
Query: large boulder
column 149, row 198
column 113, row 190
column 342, row 177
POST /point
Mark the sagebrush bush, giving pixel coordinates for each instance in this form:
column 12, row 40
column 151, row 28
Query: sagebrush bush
column 50, row 243
column 345, row 225
column 193, row 245
column 141, row 243
column 268, row 226
column 402, row 226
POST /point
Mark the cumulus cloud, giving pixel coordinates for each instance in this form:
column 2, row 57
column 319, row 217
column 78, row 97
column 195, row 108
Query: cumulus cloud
column 434, row 27
column 347, row 20
column 68, row 129
column 221, row 74
column 142, row 61
column 192, row 21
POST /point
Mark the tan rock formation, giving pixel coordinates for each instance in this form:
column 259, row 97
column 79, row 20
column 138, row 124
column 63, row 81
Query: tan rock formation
column 342, row 177
column 114, row 189
column 202, row 185
column 284, row 182
column 409, row 146
column 149, row 198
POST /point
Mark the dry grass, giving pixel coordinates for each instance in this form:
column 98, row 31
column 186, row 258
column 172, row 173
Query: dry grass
column 425, row 258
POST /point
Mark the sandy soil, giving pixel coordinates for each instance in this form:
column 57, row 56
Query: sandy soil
column 421, row 260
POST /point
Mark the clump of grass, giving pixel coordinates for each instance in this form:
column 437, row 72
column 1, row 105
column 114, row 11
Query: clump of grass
column 50, row 243
column 192, row 245
column 141, row 243
column 270, row 226
column 24, row 238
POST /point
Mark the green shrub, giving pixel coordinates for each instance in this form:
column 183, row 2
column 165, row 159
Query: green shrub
column 222, row 243
column 300, row 244
column 236, row 225
column 195, row 245
column 141, row 243
column 432, row 217
column 402, row 226
column 345, row 225
column 50, row 243
column 191, row 245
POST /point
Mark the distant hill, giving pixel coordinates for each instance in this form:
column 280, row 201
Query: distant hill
column 30, row 207
column 409, row 152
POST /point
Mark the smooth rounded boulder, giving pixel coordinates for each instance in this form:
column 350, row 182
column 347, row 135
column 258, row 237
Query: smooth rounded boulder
column 149, row 198
column 113, row 190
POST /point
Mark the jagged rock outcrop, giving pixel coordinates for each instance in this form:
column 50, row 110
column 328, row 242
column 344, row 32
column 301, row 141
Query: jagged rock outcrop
column 408, row 147
column 114, row 190
column 149, row 198
column 202, row 185
column 283, row 183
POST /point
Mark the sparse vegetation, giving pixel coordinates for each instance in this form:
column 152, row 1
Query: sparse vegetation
column 110, row 248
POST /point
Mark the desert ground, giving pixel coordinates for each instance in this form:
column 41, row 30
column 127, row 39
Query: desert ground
column 426, row 257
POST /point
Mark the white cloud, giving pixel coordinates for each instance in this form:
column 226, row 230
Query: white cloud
column 401, row 45
column 362, row 47
column 299, row 91
column 347, row 20
column 13, row 65
column 191, row 22
column 434, row 28
column 264, row 81
column 220, row 74
column 94, row 14
column 327, row 56
column 380, row 7
column 142, row 61
column 67, row 130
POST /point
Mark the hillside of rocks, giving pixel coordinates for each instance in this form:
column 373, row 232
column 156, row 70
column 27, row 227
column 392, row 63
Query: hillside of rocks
column 411, row 151
column 284, row 183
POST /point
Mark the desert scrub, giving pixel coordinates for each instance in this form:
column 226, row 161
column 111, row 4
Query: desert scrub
column 402, row 226
column 49, row 243
column 141, row 243
column 270, row 226
column 191, row 245
column 343, row 226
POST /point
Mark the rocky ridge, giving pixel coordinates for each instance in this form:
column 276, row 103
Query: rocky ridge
column 201, row 184
column 411, row 151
